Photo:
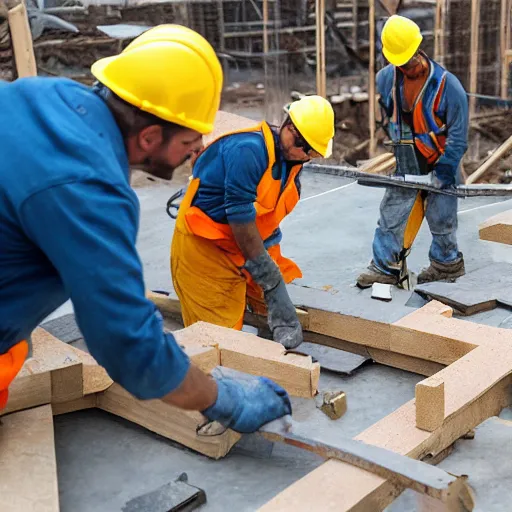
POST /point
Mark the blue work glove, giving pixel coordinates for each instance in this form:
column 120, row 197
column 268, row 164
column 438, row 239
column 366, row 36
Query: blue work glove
column 282, row 317
column 444, row 177
column 246, row 403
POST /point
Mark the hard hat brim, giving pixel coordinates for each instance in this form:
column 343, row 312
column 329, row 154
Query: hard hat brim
column 403, row 58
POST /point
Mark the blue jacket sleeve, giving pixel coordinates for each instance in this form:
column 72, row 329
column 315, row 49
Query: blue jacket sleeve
column 88, row 230
column 455, row 104
column 245, row 163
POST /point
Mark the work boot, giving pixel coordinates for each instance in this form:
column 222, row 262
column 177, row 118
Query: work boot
column 374, row 275
column 442, row 271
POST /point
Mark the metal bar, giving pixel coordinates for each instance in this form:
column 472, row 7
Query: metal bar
column 412, row 182
column 371, row 80
column 402, row 470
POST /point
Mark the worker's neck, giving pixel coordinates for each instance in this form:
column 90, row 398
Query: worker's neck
column 418, row 71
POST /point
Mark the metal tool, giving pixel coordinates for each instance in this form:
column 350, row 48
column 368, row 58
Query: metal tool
column 451, row 490
column 410, row 181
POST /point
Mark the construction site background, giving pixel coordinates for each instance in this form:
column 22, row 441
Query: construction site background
column 266, row 69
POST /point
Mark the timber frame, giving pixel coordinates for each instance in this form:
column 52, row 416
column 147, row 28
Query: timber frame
column 470, row 373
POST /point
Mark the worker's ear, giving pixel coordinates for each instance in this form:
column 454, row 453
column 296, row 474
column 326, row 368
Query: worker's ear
column 150, row 138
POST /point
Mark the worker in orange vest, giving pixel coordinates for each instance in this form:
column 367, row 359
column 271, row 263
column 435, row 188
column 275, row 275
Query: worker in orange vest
column 69, row 218
column 427, row 109
column 225, row 251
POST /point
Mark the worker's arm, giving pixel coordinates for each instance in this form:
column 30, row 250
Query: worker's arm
column 87, row 230
column 455, row 105
column 244, row 169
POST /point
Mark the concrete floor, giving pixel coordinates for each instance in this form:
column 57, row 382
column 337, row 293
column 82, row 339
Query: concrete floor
column 104, row 461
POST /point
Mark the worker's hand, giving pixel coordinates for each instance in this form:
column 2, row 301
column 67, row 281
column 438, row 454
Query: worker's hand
column 443, row 178
column 282, row 317
column 246, row 403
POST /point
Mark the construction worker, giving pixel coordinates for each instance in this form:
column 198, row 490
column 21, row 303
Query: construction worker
column 428, row 126
column 69, row 218
column 225, row 250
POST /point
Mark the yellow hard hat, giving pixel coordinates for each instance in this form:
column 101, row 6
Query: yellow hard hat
column 401, row 38
column 169, row 71
column 313, row 116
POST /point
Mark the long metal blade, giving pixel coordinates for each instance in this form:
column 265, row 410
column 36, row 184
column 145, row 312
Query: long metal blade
column 413, row 182
column 401, row 470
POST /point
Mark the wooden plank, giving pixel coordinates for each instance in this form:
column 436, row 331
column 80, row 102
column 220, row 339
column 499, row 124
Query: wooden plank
column 321, row 78
column 473, row 67
column 53, row 374
column 371, row 80
column 491, row 161
column 504, row 44
column 338, row 486
column 408, row 363
column 86, row 402
column 170, row 307
column 27, row 462
column 167, row 421
column 430, row 403
column 439, row 31
column 21, row 38
column 497, row 228
column 247, row 353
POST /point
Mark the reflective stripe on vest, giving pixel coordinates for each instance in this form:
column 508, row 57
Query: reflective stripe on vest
column 429, row 130
column 271, row 204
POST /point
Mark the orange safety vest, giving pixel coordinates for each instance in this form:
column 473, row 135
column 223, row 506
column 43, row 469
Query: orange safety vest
column 272, row 205
column 10, row 364
column 429, row 129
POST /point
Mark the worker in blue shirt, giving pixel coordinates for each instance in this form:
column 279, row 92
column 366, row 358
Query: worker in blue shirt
column 427, row 110
column 225, row 252
column 69, row 218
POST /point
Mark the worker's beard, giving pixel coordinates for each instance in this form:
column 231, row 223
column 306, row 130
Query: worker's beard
column 160, row 168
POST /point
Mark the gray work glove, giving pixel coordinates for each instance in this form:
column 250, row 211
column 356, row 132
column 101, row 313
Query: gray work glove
column 282, row 317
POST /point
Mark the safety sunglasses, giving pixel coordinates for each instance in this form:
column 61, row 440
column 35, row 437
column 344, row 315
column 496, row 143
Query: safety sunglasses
column 300, row 142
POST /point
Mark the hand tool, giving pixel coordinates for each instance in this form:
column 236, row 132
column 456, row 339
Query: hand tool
column 450, row 490
column 425, row 182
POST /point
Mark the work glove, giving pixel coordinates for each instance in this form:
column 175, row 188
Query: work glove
column 246, row 403
column 282, row 317
column 443, row 177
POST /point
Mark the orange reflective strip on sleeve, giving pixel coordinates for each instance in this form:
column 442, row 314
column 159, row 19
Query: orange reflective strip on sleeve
column 10, row 364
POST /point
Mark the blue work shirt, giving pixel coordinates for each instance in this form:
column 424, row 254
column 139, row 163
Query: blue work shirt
column 230, row 171
column 68, row 226
column 453, row 111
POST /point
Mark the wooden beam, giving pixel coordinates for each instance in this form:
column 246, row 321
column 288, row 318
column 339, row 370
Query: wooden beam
column 500, row 152
column 27, row 462
column 473, row 68
column 167, row 421
column 371, row 80
column 461, row 384
column 339, row 486
column 504, row 46
column 52, row 375
column 497, row 228
column 321, row 82
column 430, row 403
column 244, row 352
column 21, row 38
column 439, row 31
column 265, row 26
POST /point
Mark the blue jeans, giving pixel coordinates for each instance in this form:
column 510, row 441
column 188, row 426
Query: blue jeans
column 395, row 209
